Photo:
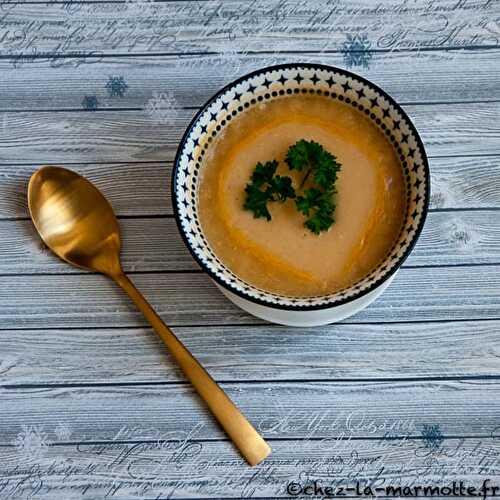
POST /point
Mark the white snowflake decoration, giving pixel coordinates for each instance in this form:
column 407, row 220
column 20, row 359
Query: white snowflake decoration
column 31, row 443
column 63, row 432
column 162, row 108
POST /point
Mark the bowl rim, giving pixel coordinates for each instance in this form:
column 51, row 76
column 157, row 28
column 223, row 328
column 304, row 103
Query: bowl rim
column 299, row 307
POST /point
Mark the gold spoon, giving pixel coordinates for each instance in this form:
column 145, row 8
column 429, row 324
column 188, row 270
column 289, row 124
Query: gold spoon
column 78, row 224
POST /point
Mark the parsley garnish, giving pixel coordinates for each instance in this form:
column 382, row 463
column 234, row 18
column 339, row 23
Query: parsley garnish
column 265, row 187
column 315, row 202
column 312, row 157
column 318, row 206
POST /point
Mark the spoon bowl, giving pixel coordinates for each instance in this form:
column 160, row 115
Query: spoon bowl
column 75, row 220
column 78, row 224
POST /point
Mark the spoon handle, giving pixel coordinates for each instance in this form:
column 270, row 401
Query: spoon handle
column 250, row 443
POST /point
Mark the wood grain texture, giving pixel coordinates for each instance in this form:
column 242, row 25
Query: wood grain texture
column 186, row 26
column 125, row 136
column 159, row 469
column 142, row 189
column 96, row 413
column 132, row 188
column 434, row 77
column 465, row 182
column 147, row 245
column 449, row 238
column 268, row 353
column 417, row 294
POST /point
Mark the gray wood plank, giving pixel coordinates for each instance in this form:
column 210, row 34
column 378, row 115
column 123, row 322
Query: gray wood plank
column 193, row 470
column 147, row 245
column 117, row 136
column 232, row 353
column 132, row 188
column 458, row 237
column 126, row 136
column 95, row 413
column 449, row 238
column 192, row 79
column 197, row 26
column 465, row 182
column 417, row 294
column 144, row 188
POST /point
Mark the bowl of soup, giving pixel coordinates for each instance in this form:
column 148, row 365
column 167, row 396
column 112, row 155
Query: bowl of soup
column 300, row 189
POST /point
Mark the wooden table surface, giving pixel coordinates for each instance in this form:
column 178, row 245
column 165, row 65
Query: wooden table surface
column 404, row 393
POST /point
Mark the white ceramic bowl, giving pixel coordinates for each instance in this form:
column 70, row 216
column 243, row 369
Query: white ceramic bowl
column 273, row 83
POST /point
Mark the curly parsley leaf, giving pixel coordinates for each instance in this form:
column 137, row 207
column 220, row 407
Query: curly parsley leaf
column 326, row 170
column 320, row 221
column 299, row 155
column 256, row 202
column 318, row 206
column 306, row 202
column 264, row 172
column 317, row 202
column 282, row 188
column 313, row 158
column 266, row 187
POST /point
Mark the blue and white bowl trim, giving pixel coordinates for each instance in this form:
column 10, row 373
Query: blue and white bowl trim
column 272, row 83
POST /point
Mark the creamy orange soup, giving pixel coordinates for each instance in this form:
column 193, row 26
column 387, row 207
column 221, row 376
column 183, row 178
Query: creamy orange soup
column 282, row 255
